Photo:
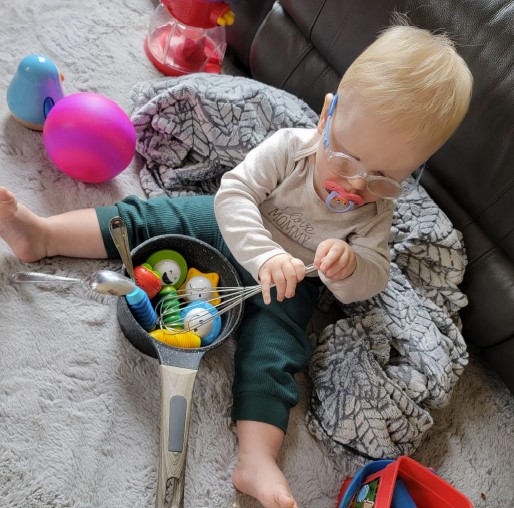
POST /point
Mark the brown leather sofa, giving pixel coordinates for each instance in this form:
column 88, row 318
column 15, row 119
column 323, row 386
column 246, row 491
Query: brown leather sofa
column 304, row 46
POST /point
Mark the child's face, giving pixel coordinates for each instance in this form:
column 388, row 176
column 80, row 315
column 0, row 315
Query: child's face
column 370, row 145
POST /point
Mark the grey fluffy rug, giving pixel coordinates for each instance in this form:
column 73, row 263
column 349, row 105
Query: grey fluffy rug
column 79, row 406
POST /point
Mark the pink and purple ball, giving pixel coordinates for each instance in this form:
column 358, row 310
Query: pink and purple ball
column 89, row 137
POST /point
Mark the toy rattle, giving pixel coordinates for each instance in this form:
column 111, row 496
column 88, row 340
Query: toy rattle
column 142, row 310
column 168, row 307
column 200, row 286
column 148, row 280
column 183, row 340
column 203, row 319
column 170, row 264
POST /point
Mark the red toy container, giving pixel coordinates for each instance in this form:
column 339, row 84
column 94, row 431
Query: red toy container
column 402, row 483
column 188, row 36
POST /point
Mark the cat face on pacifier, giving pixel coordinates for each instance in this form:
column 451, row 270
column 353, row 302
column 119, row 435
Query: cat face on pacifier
column 340, row 200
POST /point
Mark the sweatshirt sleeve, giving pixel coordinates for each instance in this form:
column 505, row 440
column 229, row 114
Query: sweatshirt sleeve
column 372, row 251
column 236, row 204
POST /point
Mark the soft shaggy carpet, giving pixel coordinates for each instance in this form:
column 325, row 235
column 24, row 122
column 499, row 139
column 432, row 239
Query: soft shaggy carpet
column 79, row 406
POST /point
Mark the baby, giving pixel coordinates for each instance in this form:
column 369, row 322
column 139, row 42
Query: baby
column 323, row 196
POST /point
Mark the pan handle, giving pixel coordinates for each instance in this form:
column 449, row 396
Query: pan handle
column 176, row 391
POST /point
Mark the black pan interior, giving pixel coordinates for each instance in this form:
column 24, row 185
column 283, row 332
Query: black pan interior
column 199, row 255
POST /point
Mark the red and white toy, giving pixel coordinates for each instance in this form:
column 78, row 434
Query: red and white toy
column 188, row 36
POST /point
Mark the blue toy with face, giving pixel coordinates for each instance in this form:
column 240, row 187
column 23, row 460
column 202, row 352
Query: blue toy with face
column 203, row 319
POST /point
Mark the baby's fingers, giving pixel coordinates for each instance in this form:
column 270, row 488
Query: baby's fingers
column 289, row 280
column 328, row 253
column 266, row 281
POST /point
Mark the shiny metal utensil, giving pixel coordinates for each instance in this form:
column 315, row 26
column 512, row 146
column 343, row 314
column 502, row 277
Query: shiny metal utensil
column 105, row 282
column 118, row 231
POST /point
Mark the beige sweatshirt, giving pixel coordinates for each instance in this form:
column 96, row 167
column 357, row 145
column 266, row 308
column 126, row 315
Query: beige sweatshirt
column 267, row 205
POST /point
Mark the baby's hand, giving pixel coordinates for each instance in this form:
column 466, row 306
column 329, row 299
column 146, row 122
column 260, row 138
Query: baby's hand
column 285, row 272
column 336, row 259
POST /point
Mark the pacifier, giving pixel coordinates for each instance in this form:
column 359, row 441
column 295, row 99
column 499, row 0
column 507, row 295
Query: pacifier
column 340, row 200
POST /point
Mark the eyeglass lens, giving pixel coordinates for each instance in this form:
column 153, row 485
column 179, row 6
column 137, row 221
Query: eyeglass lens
column 349, row 169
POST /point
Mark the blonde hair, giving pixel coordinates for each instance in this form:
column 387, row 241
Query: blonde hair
column 414, row 79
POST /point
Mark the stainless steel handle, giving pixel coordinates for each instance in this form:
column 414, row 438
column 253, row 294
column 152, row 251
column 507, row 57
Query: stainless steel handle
column 118, row 231
column 310, row 269
column 41, row 277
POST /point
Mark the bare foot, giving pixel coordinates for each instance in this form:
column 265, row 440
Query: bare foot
column 259, row 477
column 21, row 229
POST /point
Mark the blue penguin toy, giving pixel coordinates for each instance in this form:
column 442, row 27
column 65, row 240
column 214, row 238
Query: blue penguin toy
column 33, row 91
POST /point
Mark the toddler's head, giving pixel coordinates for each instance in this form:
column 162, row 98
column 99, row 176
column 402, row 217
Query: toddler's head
column 414, row 80
column 400, row 100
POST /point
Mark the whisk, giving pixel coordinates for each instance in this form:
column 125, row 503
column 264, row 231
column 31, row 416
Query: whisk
column 199, row 310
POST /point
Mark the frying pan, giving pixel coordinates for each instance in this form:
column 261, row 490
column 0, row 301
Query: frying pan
column 178, row 366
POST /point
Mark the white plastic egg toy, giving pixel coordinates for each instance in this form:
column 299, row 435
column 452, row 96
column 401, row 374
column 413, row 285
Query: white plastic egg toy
column 198, row 287
column 170, row 271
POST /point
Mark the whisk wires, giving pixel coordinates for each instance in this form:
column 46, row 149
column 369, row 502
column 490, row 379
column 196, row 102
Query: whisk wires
column 191, row 309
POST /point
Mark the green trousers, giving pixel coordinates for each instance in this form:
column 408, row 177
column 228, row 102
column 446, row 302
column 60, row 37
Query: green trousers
column 272, row 344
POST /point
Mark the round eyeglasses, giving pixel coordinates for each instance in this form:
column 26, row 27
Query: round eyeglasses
column 344, row 165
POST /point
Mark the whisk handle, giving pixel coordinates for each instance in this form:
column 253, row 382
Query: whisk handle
column 310, row 269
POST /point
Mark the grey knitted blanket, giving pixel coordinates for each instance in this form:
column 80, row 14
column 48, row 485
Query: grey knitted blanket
column 387, row 361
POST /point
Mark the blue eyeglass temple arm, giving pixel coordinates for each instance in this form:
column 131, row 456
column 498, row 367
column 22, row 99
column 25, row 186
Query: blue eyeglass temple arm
column 333, row 103
column 329, row 116
column 420, row 169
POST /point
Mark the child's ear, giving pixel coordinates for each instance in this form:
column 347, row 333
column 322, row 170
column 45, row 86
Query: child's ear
column 324, row 112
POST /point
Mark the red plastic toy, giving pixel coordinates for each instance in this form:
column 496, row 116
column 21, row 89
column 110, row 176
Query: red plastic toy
column 188, row 36
column 148, row 280
column 200, row 13
column 402, row 483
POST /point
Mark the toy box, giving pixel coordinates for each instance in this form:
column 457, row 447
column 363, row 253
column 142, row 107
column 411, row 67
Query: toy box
column 401, row 483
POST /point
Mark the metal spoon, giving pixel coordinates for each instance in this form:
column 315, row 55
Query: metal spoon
column 118, row 231
column 105, row 282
